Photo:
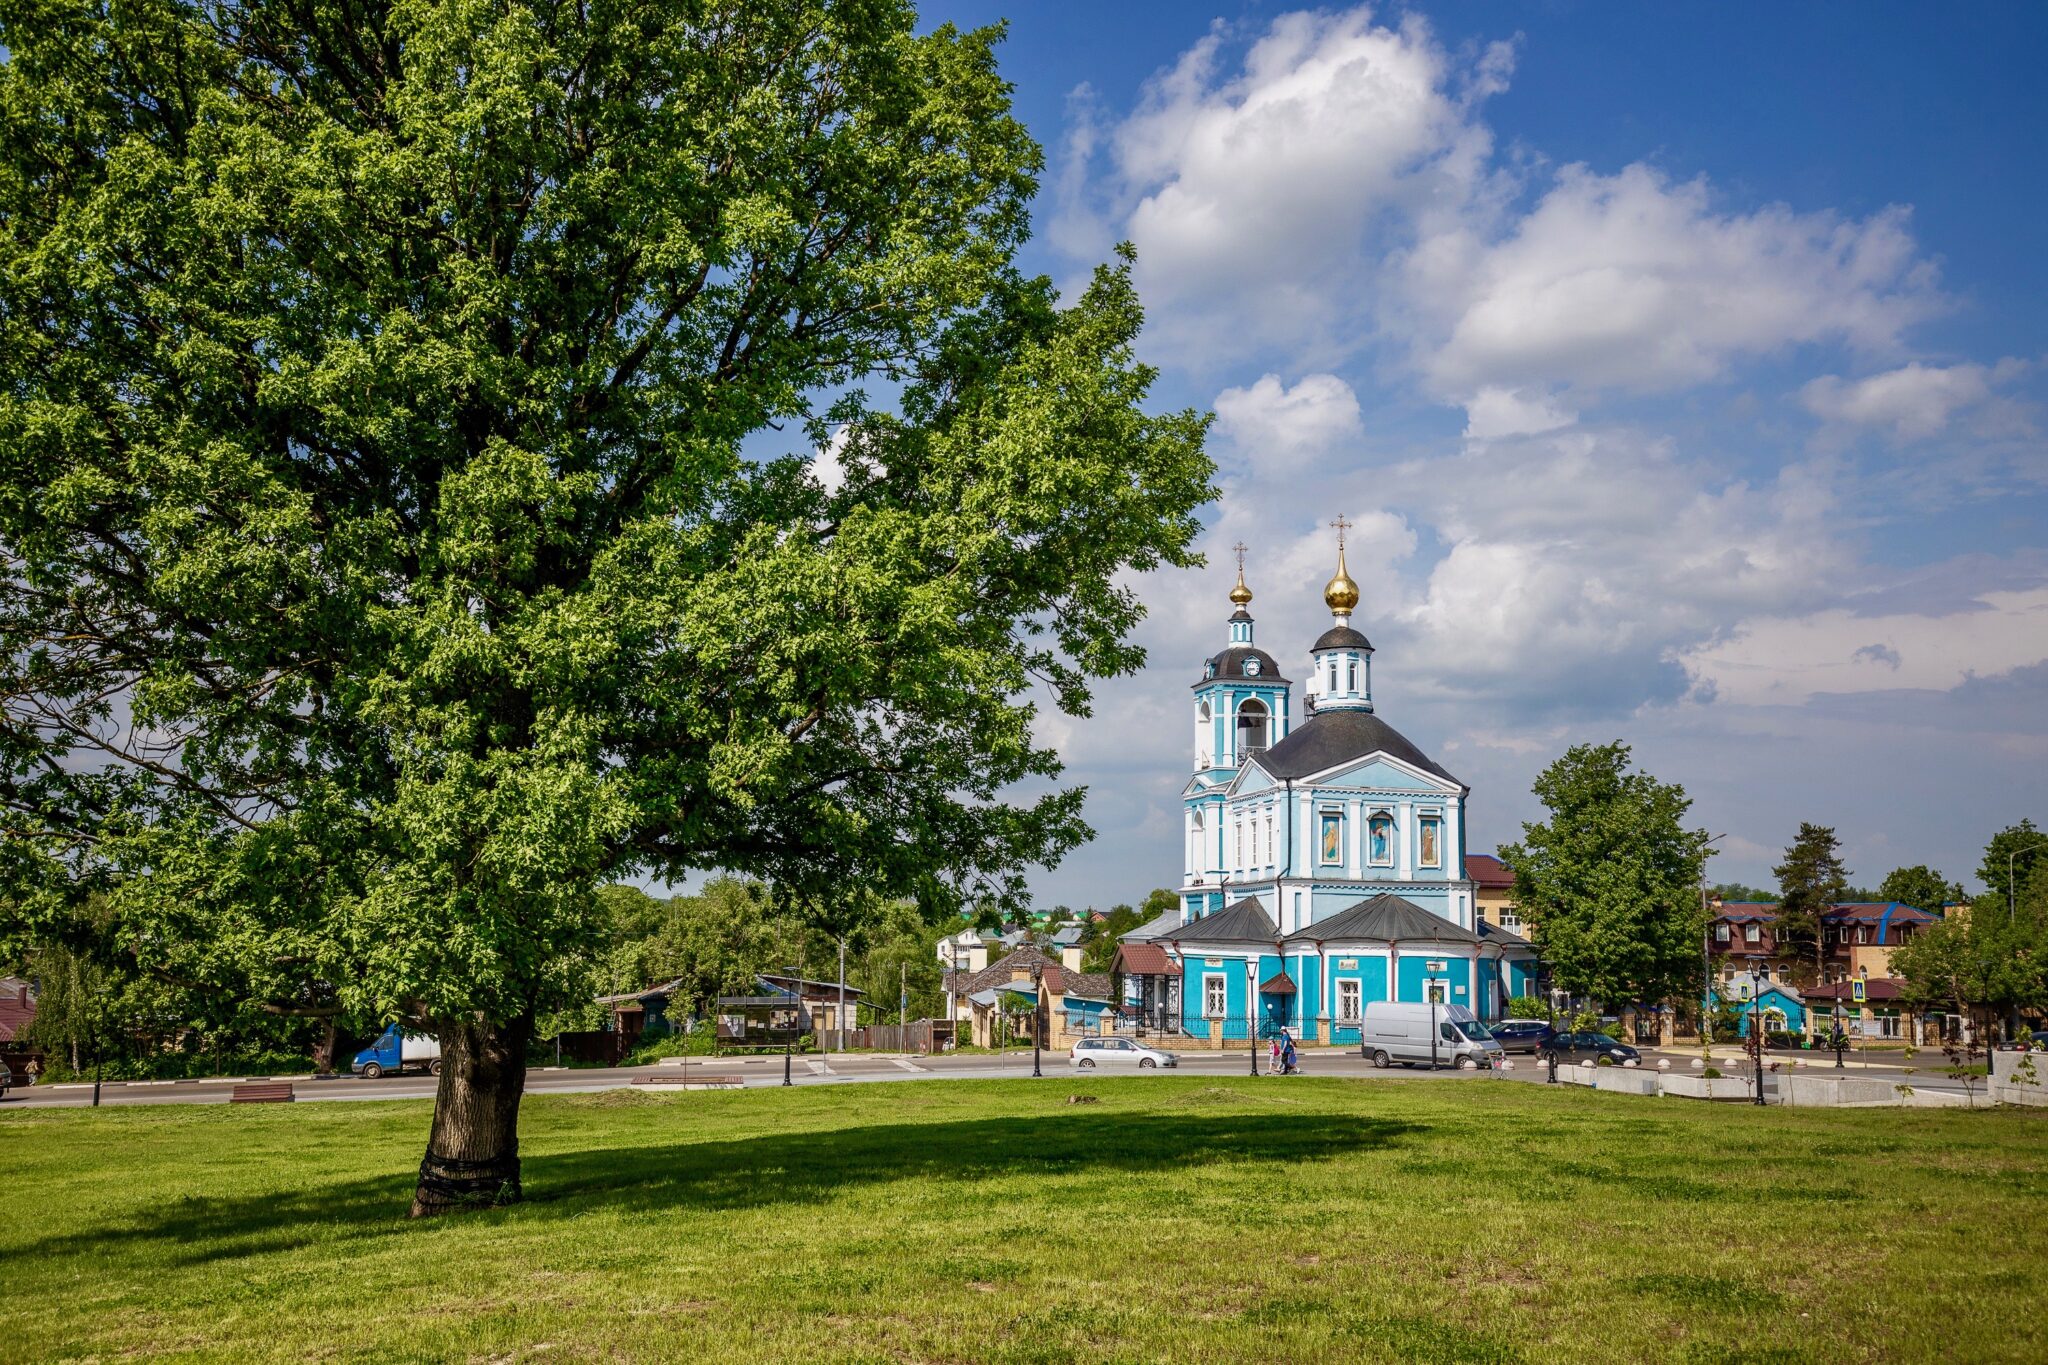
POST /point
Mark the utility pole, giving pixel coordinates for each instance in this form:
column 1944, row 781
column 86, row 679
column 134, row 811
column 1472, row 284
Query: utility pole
column 1037, row 1013
column 902, row 999
column 841, row 1020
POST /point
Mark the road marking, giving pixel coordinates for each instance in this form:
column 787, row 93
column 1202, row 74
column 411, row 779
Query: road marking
column 819, row 1068
column 905, row 1064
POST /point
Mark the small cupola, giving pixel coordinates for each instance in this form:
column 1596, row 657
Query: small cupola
column 1342, row 675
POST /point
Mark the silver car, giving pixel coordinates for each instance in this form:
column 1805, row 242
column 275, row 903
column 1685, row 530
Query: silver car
column 1089, row 1053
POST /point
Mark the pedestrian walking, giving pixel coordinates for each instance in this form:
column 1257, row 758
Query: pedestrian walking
column 1274, row 1051
column 33, row 1069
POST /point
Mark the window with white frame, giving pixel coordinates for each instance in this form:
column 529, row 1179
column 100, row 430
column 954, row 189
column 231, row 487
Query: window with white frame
column 1351, row 676
column 1510, row 918
column 1348, row 1010
column 1752, row 934
column 1237, row 841
column 1332, row 850
column 1215, row 995
column 1269, row 837
column 1720, row 933
column 1429, row 841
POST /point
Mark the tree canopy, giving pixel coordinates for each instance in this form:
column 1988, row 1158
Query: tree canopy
column 1612, row 879
column 1920, row 887
column 459, row 454
column 1810, row 880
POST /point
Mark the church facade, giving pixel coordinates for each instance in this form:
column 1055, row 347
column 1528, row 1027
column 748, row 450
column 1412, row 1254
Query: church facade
column 1324, row 853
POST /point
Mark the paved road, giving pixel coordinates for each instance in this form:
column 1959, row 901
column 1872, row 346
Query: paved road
column 857, row 1068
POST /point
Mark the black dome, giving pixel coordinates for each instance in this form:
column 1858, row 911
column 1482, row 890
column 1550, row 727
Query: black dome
column 1342, row 637
column 1230, row 664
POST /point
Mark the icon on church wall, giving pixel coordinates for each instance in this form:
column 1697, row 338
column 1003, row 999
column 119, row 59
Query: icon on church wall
column 1430, row 855
column 1382, row 831
column 1333, row 838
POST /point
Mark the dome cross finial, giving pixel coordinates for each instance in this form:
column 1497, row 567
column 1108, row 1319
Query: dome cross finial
column 1341, row 594
column 1241, row 595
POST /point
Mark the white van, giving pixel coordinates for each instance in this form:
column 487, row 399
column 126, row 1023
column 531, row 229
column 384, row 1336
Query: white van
column 1426, row 1035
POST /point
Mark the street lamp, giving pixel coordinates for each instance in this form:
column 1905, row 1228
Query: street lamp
column 2012, row 887
column 1756, row 1024
column 1251, row 1011
column 1037, row 1012
column 1706, row 957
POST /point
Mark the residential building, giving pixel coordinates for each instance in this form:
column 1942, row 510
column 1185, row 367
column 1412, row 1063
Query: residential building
column 1076, row 1002
column 1493, row 892
column 1857, row 939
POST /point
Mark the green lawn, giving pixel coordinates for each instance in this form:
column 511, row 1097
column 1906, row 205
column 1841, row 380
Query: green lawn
column 1176, row 1219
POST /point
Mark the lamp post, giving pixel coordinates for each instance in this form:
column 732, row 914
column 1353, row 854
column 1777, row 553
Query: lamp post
column 2012, row 887
column 789, row 1035
column 1706, row 958
column 1251, row 1009
column 1840, row 1039
column 1756, row 1036
column 1037, row 1012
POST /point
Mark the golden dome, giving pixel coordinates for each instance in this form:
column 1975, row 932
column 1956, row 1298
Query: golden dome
column 1340, row 594
column 1240, row 594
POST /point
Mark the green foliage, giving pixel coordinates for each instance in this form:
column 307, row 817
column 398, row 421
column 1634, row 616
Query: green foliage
column 1612, row 878
column 1712, row 1073
column 1810, row 879
column 1736, row 891
column 391, row 421
column 1920, row 887
column 2012, row 856
column 1528, row 1007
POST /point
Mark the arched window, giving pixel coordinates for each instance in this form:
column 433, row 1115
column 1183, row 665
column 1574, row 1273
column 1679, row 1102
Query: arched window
column 1251, row 729
column 1197, row 846
column 1351, row 675
column 1379, row 840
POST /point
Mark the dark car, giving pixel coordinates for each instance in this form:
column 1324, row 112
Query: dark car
column 1588, row 1048
column 1521, row 1035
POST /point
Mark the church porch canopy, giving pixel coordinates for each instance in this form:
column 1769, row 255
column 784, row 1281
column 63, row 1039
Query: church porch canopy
column 1280, row 983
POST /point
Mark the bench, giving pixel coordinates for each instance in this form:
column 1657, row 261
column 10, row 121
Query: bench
column 695, row 1080
column 266, row 1092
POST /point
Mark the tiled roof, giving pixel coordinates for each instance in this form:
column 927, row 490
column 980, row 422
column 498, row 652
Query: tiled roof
column 1488, row 871
column 1329, row 738
column 1142, row 959
column 1244, row 922
column 1876, row 988
column 1093, row 985
column 1386, row 918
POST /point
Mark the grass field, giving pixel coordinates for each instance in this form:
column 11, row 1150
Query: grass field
column 1175, row 1219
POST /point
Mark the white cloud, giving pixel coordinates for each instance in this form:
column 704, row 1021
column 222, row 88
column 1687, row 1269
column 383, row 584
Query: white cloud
column 1270, row 423
column 1779, row 661
column 1630, row 281
column 1914, row 401
column 1493, row 413
column 1251, row 196
column 826, row 466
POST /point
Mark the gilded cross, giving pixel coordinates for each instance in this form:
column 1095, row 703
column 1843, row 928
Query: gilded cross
column 1240, row 547
column 1342, row 526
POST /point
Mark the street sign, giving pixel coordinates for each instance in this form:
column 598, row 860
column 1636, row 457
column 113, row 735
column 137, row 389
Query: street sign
column 1856, row 990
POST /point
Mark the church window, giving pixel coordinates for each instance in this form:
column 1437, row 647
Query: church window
column 1237, row 842
column 1348, row 1011
column 1269, row 836
column 1380, row 835
column 1432, row 841
column 1195, row 845
column 1333, row 837
column 1215, row 998
column 1333, row 675
column 1351, row 676
column 1251, row 729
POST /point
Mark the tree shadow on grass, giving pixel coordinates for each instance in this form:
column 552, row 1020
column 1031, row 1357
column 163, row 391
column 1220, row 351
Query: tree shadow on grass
column 796, row 1168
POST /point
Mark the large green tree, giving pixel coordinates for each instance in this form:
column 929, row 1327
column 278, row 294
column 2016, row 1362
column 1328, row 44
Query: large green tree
column 1811, row 879
column 458, row 454
column 1920, row 887
column 2011, row 857
column 1612, row 879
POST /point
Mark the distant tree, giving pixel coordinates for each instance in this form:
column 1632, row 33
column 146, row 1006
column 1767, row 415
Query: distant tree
column 1938, row 968
column 1920, row 887
column 2011, row 856
column 1810, row 879
column 1157, row 902
column 1736, row 891
column 1612, row 878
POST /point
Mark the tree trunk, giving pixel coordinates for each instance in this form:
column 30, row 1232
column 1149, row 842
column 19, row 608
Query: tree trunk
column 323, row 1051
column 472, row 1156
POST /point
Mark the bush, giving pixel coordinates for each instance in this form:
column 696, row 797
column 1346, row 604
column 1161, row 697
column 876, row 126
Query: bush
column 1604, row 1060
column 1528, row 1007
column 1712, row 1073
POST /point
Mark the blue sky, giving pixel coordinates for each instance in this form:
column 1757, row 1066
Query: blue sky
column 1683, row 368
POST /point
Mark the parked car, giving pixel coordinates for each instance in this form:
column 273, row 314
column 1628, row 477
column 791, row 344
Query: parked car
column 1521, row 1035
column 1088, row 1053
column 397, row 1052
column 1426, row 1035
column 1589, row 1048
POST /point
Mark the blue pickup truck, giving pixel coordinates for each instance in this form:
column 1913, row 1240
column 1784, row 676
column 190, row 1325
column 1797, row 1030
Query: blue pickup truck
column 397, row 1052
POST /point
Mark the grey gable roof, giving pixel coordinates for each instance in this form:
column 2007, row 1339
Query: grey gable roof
column 1159, row 926
column 1244, row 922
column 1386, row 918
column 1331, row 737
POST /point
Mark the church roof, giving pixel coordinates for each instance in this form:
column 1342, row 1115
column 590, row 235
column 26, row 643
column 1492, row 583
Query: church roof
column 1243, row 922
column 1493, row 933
column 1386, row 918
column 1331, row 737
column 1341, row 637
column 1230, row 664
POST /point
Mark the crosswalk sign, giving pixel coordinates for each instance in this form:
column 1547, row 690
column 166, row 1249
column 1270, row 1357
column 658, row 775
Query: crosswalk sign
column 1856, row 990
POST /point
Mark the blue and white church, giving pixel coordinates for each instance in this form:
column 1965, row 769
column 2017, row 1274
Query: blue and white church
column 1325, row 853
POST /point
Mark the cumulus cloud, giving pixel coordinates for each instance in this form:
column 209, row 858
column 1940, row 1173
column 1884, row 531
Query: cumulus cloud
column 1913, row 401
column 1494, row 412
column 1253, row 194
column 1270, row 423
column 1786, row 660
column 1630, row 281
